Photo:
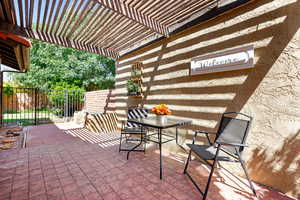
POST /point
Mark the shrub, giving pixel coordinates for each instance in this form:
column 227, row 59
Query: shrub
column 132, row 86
column 8, row 90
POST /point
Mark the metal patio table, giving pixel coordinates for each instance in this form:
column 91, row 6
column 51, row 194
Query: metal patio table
column 154, row 123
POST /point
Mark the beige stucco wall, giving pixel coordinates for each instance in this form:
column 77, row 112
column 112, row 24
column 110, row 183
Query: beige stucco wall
column 270, row 92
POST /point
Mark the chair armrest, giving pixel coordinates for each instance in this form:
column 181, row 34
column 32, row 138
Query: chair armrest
column 206, row 134
column 231, row 144
column 124, row 123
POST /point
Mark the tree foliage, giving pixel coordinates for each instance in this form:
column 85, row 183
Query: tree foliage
column 8, row 90
column 59, row 95
column 53, row 66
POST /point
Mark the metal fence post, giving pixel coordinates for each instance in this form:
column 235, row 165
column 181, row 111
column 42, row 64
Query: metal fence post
column 35, row 105
column 66, row 106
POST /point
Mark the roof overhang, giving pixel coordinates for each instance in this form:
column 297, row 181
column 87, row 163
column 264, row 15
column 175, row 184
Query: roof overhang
column 14, row 51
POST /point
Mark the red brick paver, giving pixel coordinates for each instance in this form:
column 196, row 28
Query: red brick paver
column 77, row 164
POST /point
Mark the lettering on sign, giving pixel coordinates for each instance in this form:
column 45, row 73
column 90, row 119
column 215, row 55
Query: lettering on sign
column 233, row 59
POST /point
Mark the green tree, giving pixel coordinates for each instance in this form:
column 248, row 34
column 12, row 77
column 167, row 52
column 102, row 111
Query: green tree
column 8, row 89
column 53, row 66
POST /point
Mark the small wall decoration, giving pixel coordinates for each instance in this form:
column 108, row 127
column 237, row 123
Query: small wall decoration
column 233, row 59
column 135, row 83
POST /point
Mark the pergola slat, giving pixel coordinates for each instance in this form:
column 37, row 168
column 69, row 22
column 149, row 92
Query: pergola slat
column 38, row 14
column 70, row 22
column 95, row 25
column 91, row 22
column 135, row 15
column 135, row 4
column 113, row 34
column 8, row 58
column 50, row 15
column 54, row 22
column 107, row 31
column 102, row 25
column 38, row 35
column 7, row 53
column 21, row 13
column 174, row 8
column 131, row 41
column 1, row 14
column 81, row 18
column 127, row 38
column 106, row 27
column 26, row 15
column 45, row 15
column 192, row 10
column 8, row 10
column 147, row 6
column 61, row 16
column 177, row 9
column 13, row 14
column 6, row 50
column 43, row 37
column 31, row 12
column 168, row 6
column 159, row 7
column 69, row 14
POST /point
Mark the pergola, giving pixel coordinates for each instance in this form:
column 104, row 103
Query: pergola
column 105, row 27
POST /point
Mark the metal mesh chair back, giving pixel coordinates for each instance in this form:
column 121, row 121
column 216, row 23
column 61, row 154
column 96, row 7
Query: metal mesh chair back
column 229, row 145
column 136, row 113
column 233, row 130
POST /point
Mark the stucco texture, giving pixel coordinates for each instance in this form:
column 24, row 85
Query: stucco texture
column 270, row 92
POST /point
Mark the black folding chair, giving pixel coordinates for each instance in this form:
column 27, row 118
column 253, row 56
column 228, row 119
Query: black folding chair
column 130, row 129
column 228, row 146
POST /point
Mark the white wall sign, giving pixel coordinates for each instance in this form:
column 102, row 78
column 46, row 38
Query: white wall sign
column 233, row 59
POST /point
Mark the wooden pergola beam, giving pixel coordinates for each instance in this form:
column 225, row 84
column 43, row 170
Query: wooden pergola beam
column 19, row 56
column 131, row 13
column 54, row 39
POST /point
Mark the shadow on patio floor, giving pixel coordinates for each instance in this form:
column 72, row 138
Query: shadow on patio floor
column 77, row 164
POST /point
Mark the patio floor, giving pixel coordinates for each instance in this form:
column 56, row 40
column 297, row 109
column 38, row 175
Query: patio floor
column 64, row 161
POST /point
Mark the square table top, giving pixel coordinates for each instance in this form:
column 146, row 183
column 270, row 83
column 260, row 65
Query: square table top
column 154, row 123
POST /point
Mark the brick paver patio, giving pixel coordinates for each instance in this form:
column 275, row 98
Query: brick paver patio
column 77, row 164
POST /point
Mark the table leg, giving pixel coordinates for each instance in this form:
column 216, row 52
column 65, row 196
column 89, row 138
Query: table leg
column 176, row 135
column 145, row 140
column 160, row 156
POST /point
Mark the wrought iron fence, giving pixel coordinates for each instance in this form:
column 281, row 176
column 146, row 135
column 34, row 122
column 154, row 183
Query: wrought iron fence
column 35, row 106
